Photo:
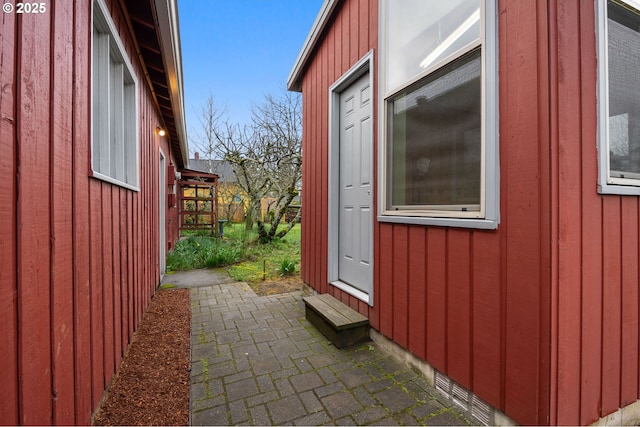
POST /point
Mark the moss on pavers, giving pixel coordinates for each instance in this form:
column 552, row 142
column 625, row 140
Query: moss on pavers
column 445, row 417
column 354, row 377
column 427, row 409
column 283, row 371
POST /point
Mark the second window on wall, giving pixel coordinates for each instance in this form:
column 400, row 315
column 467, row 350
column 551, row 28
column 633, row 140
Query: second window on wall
column 619, row 34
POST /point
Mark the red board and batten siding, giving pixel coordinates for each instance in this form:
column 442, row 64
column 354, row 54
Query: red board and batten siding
column 33, row 206
column 474, row 304
column 61, row 204
column 9, row 412
column 79, row 256
column 540, row 317
column 595, row 305
column 525, row 221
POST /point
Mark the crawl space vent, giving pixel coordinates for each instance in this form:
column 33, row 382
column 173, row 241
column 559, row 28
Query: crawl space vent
column 467, row 401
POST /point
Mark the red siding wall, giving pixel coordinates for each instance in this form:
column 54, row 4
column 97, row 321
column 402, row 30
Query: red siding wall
column 474, row 304
column 8, row 242
column 78, row 256
column 541, row 317
column 595, row 252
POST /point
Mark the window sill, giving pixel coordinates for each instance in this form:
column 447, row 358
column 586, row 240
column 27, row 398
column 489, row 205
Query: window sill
column 617, row 189
column 483, row 224
column 101, row 177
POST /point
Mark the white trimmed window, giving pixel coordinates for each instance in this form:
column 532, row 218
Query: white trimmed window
column 439, row 139
column 114, row 108
column 619, row 92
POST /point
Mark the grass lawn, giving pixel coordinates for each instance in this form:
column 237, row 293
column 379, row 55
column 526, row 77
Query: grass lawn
column 245, row 258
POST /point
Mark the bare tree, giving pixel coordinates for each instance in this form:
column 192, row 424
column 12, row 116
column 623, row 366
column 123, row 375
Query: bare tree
column 239, row 146
column 211, row 119
column 223, row 140
column 265, row 156
column 278, row 125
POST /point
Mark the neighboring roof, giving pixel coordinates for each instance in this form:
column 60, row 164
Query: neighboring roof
column 193, row 175
column 222, row 168
column 294, row 82
column 157, row 31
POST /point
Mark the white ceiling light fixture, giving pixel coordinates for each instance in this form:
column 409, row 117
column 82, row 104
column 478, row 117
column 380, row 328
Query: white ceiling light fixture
column 446, row 43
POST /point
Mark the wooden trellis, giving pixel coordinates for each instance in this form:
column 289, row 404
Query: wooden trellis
column 197, row 201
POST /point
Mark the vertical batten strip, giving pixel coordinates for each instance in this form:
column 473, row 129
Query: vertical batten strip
column 61, row 199
column 34, row 232
column 9, row 393
column 80, row 212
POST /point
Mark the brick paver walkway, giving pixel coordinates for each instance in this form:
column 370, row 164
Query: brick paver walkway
column 257, row 361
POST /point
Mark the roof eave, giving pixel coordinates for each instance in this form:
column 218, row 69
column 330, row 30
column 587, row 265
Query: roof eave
column 168, row 23
column 294, row 82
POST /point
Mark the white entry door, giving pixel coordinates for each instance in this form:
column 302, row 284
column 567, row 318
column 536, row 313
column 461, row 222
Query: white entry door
column 355, row 219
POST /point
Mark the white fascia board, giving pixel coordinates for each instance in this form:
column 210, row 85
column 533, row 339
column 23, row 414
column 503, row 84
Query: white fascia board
column 169, row 26
column 294, row 82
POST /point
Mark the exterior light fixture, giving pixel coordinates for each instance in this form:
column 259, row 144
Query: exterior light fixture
column 161, row 131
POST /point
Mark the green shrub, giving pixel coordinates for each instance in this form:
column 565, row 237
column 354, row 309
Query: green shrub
column 239, row 249
column 219, row 255
column 196, row 233
column 287, row 267
column 200, row 252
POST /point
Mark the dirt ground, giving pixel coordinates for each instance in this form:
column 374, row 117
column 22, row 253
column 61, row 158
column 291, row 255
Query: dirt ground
column 151, row 386
column 278, row 286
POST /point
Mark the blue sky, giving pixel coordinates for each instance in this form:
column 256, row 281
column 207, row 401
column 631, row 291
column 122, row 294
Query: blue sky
column 238, row 51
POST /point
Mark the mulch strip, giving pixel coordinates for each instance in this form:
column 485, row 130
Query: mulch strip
column 151, row 386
